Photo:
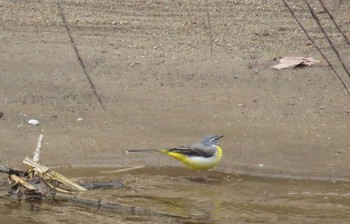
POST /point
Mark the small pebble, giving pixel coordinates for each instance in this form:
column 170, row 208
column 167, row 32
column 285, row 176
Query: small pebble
column 79, row 119
column 33, row 122
column 261, row 165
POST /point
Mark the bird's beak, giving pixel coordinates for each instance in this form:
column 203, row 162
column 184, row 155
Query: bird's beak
column 220, row 137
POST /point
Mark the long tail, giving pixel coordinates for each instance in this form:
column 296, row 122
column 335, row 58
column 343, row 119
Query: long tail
column 142, row 150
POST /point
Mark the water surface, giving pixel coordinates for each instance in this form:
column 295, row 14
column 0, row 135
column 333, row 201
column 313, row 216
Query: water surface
column 177, row 195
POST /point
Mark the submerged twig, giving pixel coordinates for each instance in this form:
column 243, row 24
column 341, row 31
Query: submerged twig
column 4, row 169
column 115, row 207
column 333, row 20
column 81, row 62
column 318, row 49
column 327, row 37
column 125, row 169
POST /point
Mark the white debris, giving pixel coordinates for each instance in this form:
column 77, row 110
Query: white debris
column 292, row 62
column 33, row 122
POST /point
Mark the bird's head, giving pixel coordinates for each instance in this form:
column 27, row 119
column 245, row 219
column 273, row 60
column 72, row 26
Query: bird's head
column 211, row 139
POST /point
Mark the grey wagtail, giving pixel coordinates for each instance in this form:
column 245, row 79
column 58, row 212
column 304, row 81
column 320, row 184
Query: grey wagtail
column 203, row 155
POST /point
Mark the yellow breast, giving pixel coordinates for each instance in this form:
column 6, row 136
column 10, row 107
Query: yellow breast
column 196, row 162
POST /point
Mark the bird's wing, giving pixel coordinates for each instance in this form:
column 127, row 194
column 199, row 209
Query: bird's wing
column 191, row 150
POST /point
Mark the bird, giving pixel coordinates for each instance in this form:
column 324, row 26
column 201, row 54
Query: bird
column 203, row 155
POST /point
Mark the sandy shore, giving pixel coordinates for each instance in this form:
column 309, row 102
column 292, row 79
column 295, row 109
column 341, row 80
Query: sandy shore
column 151, row 64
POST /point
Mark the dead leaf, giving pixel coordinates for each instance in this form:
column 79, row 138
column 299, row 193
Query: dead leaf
column 292, row 62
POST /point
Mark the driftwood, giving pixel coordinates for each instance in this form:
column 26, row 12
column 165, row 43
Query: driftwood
column 41, row 183
column 49, row 176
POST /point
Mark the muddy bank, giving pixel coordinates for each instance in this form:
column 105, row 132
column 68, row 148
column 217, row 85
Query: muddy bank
column 151, row 64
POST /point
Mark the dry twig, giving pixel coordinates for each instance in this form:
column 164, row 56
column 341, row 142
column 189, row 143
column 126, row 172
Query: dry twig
column 327, row 37
column 125, row 169
column 18, row 180
column 319, row 50
column 49, row 175
column 36, row 154
column 333, row 20
column 81, row 62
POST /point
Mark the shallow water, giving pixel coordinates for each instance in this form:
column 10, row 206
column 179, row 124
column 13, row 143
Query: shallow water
column 177, row 195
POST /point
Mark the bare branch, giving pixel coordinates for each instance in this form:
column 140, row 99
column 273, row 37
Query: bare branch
column 327, row 37
column 92, row 86
column 332, row 18
column 319, row 50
